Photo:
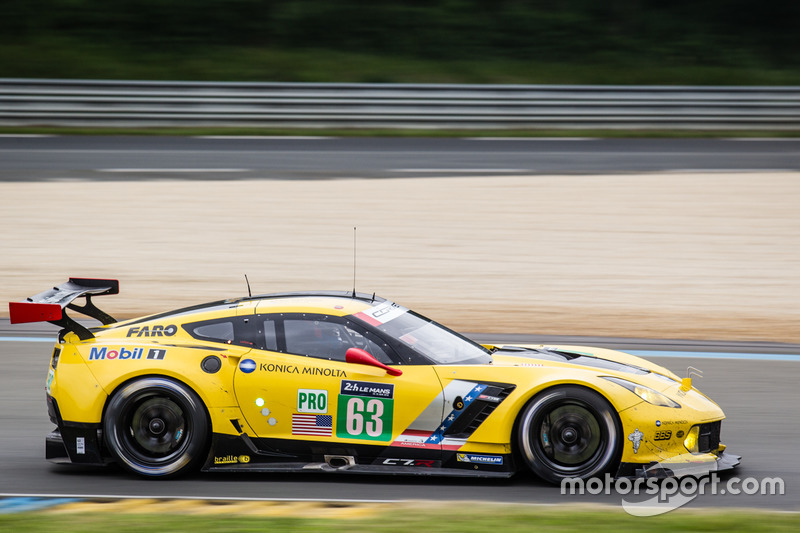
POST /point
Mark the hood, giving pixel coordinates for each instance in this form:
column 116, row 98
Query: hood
column 590, row 358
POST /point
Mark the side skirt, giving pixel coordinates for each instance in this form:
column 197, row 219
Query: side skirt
column 380, row 470
column 241, row 453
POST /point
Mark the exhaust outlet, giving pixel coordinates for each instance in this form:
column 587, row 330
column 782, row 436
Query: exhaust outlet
column 340, row 461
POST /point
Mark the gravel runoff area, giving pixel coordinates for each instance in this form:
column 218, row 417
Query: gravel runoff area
column 667, row 255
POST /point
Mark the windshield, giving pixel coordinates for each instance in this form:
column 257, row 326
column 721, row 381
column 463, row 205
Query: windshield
column 436, row 342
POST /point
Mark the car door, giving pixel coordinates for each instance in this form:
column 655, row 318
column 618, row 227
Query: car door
column 296, row 387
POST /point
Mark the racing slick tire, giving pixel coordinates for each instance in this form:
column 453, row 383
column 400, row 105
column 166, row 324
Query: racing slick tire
column 569, row 432
column 156, row 427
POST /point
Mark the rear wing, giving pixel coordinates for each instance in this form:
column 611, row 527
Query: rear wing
column 50, row 305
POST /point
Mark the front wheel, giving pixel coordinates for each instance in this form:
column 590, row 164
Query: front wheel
column 569, row 432
column 156, row 427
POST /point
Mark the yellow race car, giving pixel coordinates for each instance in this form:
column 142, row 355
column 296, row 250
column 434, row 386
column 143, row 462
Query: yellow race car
column 350, row 382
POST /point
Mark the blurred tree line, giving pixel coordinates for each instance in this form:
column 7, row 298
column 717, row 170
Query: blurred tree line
column 674, row 32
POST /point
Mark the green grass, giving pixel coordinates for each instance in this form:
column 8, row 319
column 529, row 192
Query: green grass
column 55, row 57
column 456, row 518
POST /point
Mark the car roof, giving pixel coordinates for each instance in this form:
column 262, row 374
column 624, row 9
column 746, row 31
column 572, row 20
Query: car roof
column 339, row 303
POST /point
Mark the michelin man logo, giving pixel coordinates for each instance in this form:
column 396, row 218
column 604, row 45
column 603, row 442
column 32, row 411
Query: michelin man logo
column 636, row 439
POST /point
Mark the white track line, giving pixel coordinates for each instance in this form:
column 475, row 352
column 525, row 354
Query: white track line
column 767, row 139
column 530, row 138
column 208, row 498
column 459, row 170
column 25, row 135
column 267, row 137
column 166, row 170
column 725, row 170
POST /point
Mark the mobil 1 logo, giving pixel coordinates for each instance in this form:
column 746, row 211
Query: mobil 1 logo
column 365, row 410
column 312, row 401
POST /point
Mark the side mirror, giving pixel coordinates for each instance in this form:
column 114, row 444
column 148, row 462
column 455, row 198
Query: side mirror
column 362, row 357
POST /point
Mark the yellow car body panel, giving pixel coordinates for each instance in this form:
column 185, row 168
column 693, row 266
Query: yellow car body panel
column 84, row 403
column 275, row 400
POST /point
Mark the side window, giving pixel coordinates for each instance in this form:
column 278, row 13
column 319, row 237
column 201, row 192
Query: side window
column 315, row 338
column 368, row 342
column 219, row 331
column 269, row 335
column 330, row 339
column 230, row 330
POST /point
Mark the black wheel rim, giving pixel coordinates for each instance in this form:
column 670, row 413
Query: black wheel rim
column 569, row 437
column 155, row 428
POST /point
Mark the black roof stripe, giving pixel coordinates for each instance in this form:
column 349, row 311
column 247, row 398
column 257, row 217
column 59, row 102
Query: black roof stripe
column 235, row 301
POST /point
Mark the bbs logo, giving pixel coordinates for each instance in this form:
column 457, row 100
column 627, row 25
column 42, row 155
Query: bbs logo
column 663, row 435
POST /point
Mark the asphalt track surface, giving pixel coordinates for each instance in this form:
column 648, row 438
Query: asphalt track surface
column 37, row 158
column 758, row 393
column 759, row 396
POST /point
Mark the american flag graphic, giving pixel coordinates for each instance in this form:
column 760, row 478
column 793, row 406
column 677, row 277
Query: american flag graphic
column 320, row 425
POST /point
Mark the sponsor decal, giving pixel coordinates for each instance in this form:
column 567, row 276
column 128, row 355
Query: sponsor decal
column 658, row 423
column 312, row 401
column 113, row 354
column 80, row 445
column 480, row 459
column 381, row 313
column 663, row 435
column 679, row 434
column 319, row 425
column 423, row 434
column 365, row 410
column 669, row 422
column 489, row 398
column 636, row 438
column 429, row 463
column 232, row 460
column 155, row 331
column 302, row 370
column 367, row 388
column 247, row 365
column 156, row 353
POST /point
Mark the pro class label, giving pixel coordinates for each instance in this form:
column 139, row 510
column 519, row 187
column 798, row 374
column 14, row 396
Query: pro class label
column 312, row 401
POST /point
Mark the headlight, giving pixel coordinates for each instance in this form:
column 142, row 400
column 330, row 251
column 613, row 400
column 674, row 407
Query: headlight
column 691, row 439
column 645, row 393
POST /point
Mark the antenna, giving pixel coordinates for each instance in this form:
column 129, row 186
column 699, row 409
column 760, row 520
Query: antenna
column 354, row 261
column 250, row 294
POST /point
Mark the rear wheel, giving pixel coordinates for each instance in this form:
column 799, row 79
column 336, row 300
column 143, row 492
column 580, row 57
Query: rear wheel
column 156, row 427
column 568, row 432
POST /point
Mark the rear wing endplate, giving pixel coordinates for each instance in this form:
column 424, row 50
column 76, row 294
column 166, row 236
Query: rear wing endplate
column 50, row 305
